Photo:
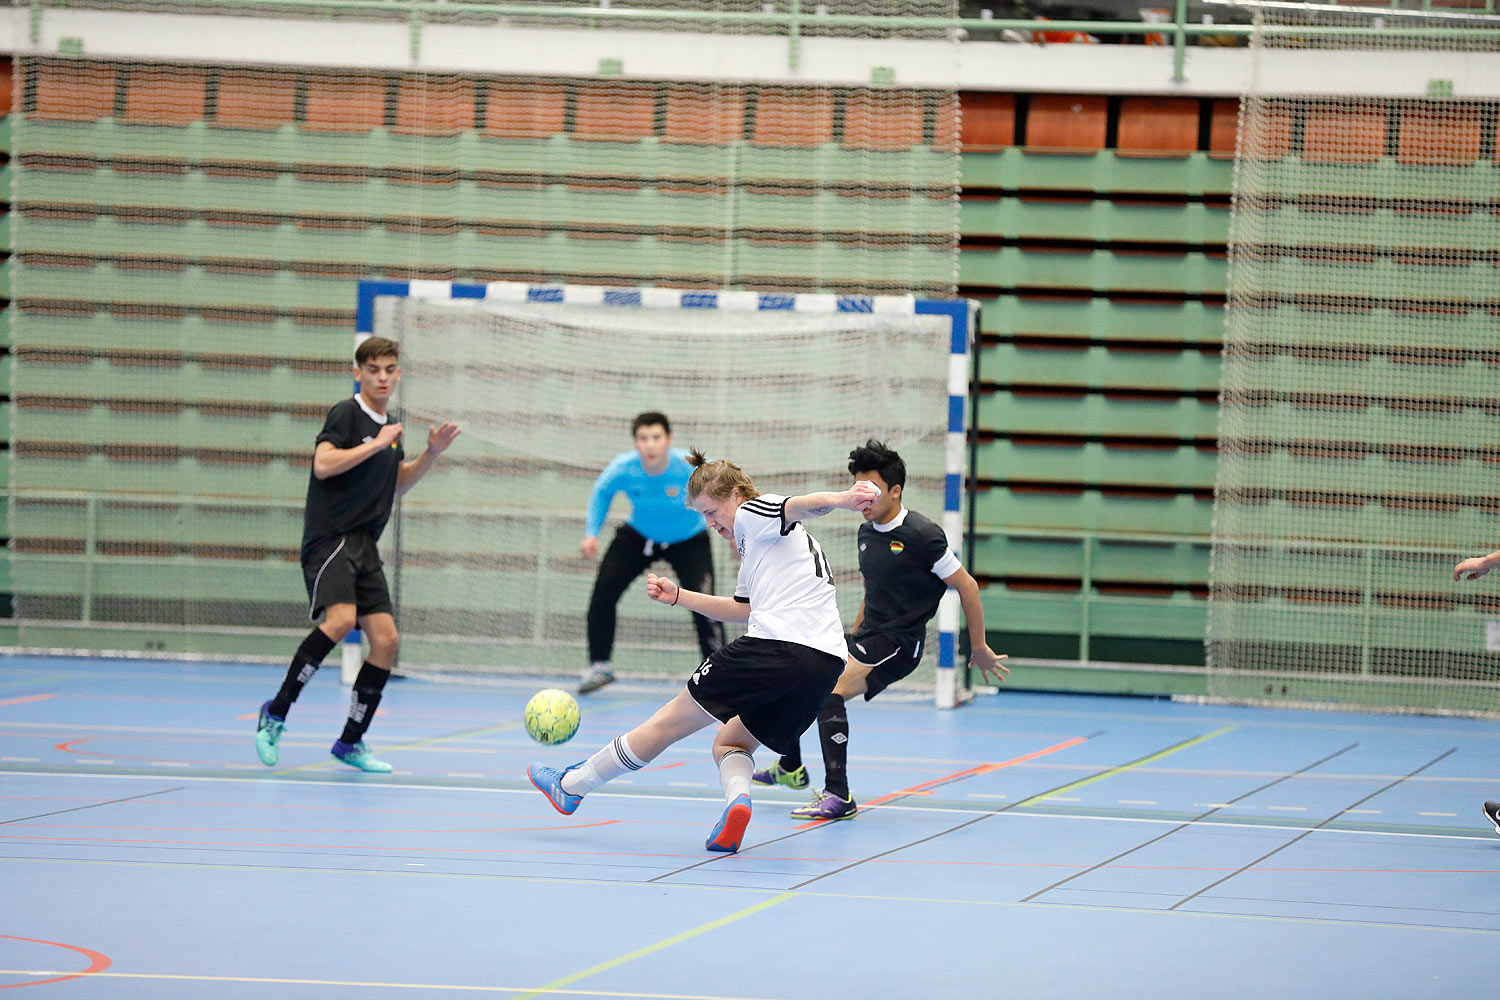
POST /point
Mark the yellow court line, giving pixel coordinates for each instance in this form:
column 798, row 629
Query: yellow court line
column 526, row 990
column 556, row 984
column 1169, row 751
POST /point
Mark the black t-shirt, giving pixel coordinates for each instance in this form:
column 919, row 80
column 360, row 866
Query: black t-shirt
column 358, row 499
column 901, row 590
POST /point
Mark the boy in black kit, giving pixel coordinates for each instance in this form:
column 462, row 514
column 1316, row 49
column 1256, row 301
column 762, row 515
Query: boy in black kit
column 358, row 468
column 907, row 567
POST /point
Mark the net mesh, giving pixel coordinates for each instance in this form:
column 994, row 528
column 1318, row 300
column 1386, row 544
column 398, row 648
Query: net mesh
column 1358, row 458
column 486, row 561
column 187, row 239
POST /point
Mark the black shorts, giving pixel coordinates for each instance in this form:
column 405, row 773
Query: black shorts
column 890, row 655
column 775, row 687
column 345, row 569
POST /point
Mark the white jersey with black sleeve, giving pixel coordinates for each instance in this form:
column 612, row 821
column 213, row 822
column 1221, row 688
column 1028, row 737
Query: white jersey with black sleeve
column 785, row 577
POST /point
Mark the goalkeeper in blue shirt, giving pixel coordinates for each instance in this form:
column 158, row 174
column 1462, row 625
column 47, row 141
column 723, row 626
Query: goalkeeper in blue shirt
column 661, row 526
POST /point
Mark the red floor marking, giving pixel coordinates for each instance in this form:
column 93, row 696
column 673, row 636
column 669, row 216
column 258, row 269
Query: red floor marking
column 981, row 769
column 663, row 767
column 67, row 747
column 22, row 701
column 97, row 962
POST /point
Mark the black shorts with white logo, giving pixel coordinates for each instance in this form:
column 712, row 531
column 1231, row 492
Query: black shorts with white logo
column 775, row 687
column 345, row 569
column 889, row 655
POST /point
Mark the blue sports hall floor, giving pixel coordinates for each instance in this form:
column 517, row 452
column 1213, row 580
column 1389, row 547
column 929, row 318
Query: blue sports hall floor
column 1026, row 846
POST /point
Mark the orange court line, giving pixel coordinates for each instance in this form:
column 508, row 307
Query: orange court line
column 981, row 769
column 22, row 701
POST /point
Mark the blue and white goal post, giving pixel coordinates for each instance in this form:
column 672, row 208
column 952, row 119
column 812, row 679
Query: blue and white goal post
column 951, row 687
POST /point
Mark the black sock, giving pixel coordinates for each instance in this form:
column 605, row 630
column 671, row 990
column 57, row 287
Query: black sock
column 305, row 663
column 364, row 701
column 792, row 761
column 833, row 731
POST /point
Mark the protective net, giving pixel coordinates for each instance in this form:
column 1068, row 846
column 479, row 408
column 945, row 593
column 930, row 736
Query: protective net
column 187, row 239
column 1358, row 457
column 486, row 560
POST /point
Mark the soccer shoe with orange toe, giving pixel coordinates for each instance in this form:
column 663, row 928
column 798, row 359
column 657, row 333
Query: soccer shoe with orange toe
column 358, row 755
column 548, row 781
column 778, row 775
column 826, row 805
column 730, row 830
column 1492, row 813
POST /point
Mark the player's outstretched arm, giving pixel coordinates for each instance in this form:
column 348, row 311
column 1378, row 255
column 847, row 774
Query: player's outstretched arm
column 1473, row 569
column 857, row 497
column 724, row 609
column 991, row 665
column 438, row 440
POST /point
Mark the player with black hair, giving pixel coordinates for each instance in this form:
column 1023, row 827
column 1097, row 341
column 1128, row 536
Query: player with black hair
column 907, row 568
column 654, row 476
column 358, row 468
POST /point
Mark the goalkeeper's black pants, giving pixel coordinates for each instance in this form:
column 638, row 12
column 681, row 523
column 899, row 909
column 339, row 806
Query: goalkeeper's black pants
column 628, row 556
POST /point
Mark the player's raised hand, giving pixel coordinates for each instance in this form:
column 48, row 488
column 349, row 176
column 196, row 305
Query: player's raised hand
column 1471, row 569
column 659, row 588
column 440, row 437
column 388, row 435
column 990, row 665
column 859, row 496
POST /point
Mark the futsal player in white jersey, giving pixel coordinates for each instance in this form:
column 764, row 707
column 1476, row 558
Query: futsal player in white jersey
column 766, row 686
column 1472, row 569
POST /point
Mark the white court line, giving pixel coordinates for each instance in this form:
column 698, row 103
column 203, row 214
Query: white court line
column 1436, row 814
column 1137, row 802
column 20, row 760
column 950, row 810
column 1300, row 809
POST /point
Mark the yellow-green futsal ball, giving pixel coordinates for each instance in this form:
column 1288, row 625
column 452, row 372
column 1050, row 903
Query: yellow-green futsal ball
column 552, row 716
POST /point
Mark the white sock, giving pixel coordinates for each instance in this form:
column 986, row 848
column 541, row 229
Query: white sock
column 609, row 762
column 735, row 768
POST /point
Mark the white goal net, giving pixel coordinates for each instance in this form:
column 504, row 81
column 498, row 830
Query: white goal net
column 484, row 556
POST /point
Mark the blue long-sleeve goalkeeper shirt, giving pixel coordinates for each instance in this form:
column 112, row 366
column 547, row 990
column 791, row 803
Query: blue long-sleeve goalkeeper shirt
column 658, row 504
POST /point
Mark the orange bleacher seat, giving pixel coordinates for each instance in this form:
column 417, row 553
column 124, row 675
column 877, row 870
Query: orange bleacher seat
column 434, row 106
column 255, row 99
column 1223, row 128
column 74, row 92
column 988, row 121
column 882, row 120
column 1268, row 133
column 614, row 112
column 703, row 114
column 1061, row 124
column 1158, row 126
column 1439, row 135
column 7, row 84
column 516, row 110
column 793, row 117
column 173, row 96
column 1333, row 134
column 344, row 103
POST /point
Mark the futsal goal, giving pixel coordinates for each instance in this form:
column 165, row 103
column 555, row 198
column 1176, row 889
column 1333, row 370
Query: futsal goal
column 484, row 557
